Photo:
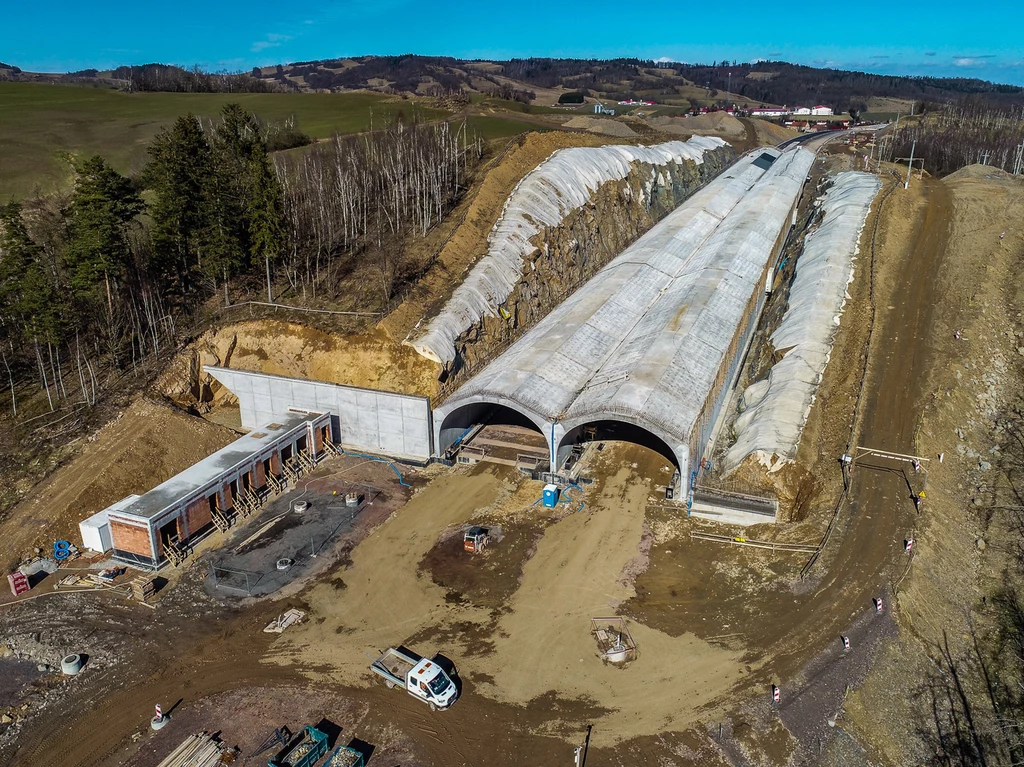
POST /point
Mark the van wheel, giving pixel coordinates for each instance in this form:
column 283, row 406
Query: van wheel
column 433, row 707
column 390, row 685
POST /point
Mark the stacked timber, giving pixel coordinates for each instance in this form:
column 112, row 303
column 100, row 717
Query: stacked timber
column 143, row 588
column 196, row 751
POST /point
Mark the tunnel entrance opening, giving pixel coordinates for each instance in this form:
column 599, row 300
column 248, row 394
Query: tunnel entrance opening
column 573, row 447
column 494, row 433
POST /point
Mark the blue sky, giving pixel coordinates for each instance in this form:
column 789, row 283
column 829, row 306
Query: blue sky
column 936, row 38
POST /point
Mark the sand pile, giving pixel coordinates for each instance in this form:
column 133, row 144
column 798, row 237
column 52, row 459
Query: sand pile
column 714, row 124
column 601, row 125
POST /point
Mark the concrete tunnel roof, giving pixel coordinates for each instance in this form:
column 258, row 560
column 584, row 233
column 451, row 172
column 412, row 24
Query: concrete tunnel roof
column 645, row 338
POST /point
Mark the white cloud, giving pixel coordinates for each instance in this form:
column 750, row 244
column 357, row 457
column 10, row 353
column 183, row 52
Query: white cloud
column 273, row 40
column 972, row 61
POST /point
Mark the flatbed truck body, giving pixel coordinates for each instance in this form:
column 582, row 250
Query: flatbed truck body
column 421, row 677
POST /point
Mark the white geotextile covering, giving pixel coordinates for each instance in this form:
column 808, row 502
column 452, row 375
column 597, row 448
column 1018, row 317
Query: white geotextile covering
column 544, row 197
column 776, row 408
column 646, row 337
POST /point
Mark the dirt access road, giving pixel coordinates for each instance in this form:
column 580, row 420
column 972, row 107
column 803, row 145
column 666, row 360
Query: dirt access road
column 866, row 554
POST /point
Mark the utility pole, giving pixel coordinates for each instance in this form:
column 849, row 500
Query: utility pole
column 729, row 91
column 909, row 166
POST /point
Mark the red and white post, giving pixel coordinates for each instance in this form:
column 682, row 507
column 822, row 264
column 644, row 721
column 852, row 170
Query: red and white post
column 159, row 720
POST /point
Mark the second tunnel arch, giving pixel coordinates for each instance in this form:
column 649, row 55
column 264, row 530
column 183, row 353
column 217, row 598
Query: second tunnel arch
column 615, row 428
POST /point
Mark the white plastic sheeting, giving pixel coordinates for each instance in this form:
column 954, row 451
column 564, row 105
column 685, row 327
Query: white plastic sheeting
column 644, row 340
column 543, row 198
column 776, row 408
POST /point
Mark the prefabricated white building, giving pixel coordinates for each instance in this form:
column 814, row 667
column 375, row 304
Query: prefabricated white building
column 139, row 529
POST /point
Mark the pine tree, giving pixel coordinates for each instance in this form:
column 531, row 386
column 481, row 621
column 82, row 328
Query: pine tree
column 104, row 205
column 265, row 212
column 180, row 173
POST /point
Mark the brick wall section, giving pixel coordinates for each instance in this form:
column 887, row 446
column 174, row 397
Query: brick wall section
column 261, row 475
column 198, row 515
column 130, row 538
column 318, row 441
column 229, row 499
column 275, row 464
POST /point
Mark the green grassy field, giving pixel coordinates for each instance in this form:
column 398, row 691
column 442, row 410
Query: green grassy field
column 41, row 124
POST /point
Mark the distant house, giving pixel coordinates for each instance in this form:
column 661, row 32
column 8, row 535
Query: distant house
column 801, row 111
column 821, row 109
column 769, row 112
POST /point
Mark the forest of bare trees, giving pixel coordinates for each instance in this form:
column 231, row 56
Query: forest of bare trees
column 363, row 195
column 961, row 134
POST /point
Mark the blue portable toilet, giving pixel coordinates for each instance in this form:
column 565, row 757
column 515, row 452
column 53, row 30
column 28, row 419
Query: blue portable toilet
column 550, row 496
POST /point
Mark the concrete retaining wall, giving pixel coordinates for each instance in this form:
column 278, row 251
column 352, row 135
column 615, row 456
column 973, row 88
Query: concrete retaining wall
column 396, row 425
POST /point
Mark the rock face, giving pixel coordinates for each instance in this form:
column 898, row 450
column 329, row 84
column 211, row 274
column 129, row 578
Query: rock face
column 568, row 254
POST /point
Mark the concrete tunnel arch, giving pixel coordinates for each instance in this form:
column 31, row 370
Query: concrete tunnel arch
column 452, row 421
column 617, row 428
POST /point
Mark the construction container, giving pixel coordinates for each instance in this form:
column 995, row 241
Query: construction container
column 550, row 496
column 343, row 756
column 304, row 752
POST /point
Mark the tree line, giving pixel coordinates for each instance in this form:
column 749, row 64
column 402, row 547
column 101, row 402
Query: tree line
column 165, row 77
column 102, row 276
column 959, row 134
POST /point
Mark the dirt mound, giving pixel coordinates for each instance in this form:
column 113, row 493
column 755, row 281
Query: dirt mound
column 370, row 360
column 770, row 133
column 714, row 124
column 981, row 172
column 144, row 446
column 472, row 222
column 604, row 126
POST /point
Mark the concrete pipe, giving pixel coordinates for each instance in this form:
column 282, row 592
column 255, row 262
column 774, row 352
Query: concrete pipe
column 351, row 499
column 71, row 664
column 284, row 564
column 300, row 506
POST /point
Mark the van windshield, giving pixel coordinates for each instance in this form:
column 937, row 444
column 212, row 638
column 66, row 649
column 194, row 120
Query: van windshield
column 439, row 684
